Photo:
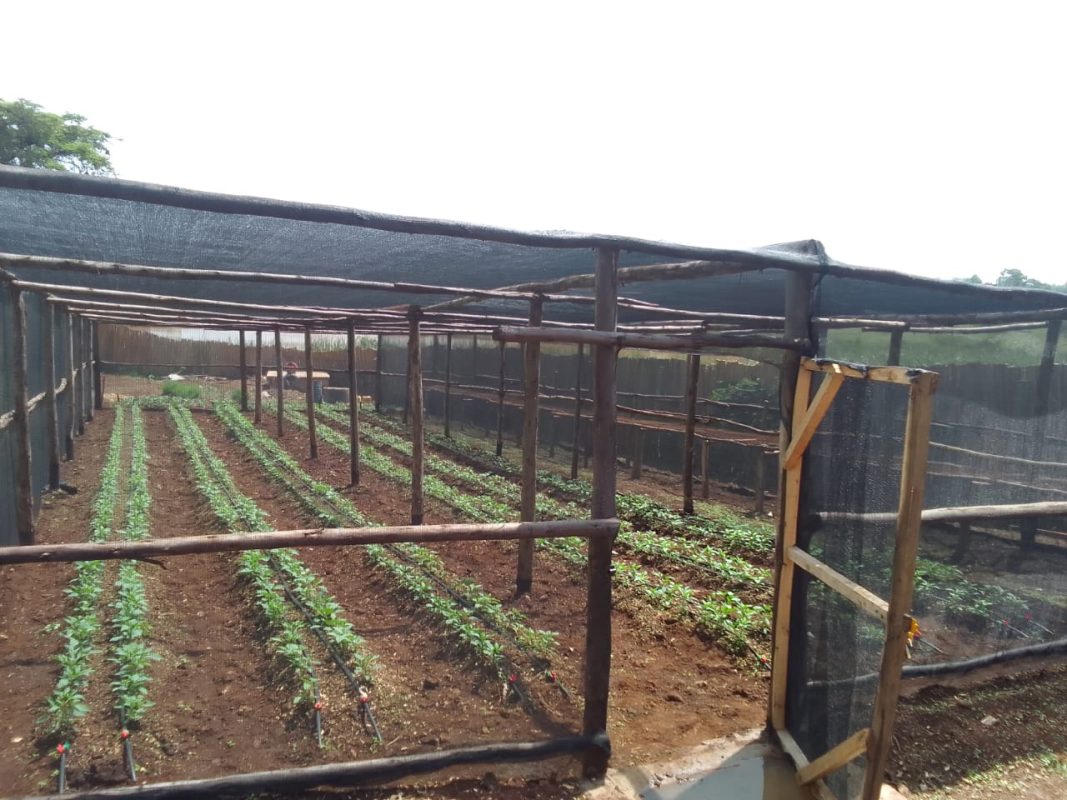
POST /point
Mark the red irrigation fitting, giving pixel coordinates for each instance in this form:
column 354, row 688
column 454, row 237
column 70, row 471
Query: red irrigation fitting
column 363, row 696
column 318, row 705
column 124, row 734
column 61, row 748
column 512, row 678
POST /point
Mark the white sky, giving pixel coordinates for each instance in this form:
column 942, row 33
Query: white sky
column 926, row 137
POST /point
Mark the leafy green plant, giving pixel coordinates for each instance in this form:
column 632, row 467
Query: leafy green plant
column 182, row 389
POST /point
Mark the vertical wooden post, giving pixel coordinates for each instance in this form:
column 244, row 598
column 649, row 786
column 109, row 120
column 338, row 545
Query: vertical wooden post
column 896, row 339
column 551, row 430
column 98, row 381
column 705, row 463
column 415, row 401
column 280, row 381
column 692, row 378
column 530, row 413
column 1042, row 389
column 378, row 375
column 500, row 402
column 79, row 409
column 797, row 323
column 72, row 395
column 760, row 482
column 598, row 596
column 50, row 397
column 309, row 394
column 353, row 404
column 448, row 385
column 243, row 361
column 259, row 377
column 407, row 384
column 435, row 362
column 23, row 467
column 90, row 382
column 902, row 583
column 638, row 455
column 577, row 412
column 474, row 358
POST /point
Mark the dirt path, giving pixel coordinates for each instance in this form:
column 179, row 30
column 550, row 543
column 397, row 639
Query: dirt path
column 31, row 597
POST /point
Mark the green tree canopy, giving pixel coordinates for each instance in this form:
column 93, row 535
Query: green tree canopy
column 33, row 137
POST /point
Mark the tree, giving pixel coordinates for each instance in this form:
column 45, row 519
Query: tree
column 1016, row 277
column 33, row 137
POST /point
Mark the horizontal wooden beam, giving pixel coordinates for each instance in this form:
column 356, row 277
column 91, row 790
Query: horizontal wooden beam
column 862, row 598
column 644, row 341
column 901, row 375
column 953, row 514
column 818, row 787
column 308, row 537
column 349, row 774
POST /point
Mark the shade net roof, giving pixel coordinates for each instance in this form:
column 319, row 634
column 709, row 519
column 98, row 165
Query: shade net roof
column 73, row 216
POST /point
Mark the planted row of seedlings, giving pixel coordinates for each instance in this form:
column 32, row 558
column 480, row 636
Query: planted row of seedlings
column 291, row 602
column 939, row 588
column 474, row 622
column 82, row 626
column 127, row 625
column 722, row 615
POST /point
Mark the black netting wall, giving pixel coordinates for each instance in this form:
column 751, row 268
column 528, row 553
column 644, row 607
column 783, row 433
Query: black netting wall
column 852, row 469
column 37, row 321
column 741, row 396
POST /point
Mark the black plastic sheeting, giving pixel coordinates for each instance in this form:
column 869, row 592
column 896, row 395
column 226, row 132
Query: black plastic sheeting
column 70, row 216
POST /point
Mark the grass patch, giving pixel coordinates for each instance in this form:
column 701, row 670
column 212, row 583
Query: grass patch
column 186, row 391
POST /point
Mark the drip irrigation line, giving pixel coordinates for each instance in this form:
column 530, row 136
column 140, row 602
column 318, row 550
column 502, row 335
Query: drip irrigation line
column 62, row 749
column 291, row 596
column 127, row 750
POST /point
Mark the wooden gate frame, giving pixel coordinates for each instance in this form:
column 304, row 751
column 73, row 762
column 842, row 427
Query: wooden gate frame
column 808, row 411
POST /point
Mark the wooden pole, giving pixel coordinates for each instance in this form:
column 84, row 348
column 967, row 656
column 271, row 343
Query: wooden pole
column 280, row 388
column 309, row 395
column 902, row 584
column 500, row 402
column 98, row 380
column 896, row 339
column 90, row 357
column 259, row 377
column 598, row 596
column 576, row 446
column 72, row 401
column 530, row 413
column 637, row 458
column 474, row 356
column 407, row 380
column 23, row 468
column 244, row 370
column 80, row 395
column 378, row 375
column 50, row 398
column 415, row 401
column 797, row 321
column 448, row 385
column 353, row 406
column 705, row 463
column 692, row 379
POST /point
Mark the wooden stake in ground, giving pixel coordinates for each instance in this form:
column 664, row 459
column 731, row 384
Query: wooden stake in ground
column 23, row 471
column 353, row 405
column 637, row 456
column 50, row 398
column 500, row 402
column 577, row 411
column 242, row 358
column 896, row 340
column 378, row 375
column 692, row 378
column 598, row 593
column 83, row 374
column 72, row 401
column 448, row 386
column 90, row 357
column 259, row 377
column 705, row 464
column 415, row 400
column 280, row 381
column 530, row 411
column 309, row 394
column 98, row 381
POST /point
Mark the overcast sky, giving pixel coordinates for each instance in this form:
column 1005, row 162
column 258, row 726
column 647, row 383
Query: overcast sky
column 925, row 137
